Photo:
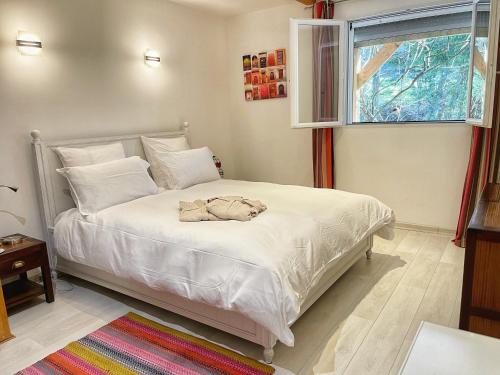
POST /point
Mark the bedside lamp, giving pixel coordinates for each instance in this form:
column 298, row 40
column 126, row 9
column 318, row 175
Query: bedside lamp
column 13, row 188
column 20, row 219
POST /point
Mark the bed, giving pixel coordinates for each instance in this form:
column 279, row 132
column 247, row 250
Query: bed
column 250, row 279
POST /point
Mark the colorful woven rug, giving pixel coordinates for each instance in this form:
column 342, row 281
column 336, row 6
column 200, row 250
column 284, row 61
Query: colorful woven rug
column 136, row 345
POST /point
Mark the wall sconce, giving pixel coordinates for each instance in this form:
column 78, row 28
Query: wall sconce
column 28, row 43
column 152, row 58
column 21, row 219
column 13, row 188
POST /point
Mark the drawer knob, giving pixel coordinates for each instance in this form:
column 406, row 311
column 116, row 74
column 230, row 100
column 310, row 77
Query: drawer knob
column 18, row 264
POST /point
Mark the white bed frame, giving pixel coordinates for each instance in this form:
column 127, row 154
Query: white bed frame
column 54, row 198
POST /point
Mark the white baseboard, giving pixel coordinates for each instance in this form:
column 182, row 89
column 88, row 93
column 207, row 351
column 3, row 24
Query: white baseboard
column 424, row 228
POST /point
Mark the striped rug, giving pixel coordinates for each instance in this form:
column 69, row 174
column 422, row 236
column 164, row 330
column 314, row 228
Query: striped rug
column 136, row 345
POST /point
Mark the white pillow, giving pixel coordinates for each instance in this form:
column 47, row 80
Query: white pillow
column 152, row 146
column 77, row 157
column 188, row 168
column 99, row 186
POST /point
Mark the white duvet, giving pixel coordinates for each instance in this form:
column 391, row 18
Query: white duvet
column 262, row 269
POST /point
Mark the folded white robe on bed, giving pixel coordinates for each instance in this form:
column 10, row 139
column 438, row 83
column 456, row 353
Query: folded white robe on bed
column 263, row 268
column 220, row 208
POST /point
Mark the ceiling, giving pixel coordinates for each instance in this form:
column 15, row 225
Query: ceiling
column 233, row 7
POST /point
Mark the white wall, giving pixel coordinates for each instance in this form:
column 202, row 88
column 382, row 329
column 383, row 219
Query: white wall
column 417, row 170
column 91, row 80
column 265, row 147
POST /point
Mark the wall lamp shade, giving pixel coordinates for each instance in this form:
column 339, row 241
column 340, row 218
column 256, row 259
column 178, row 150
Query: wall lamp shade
column 152, row 58
column 28, row 43
column 13, row 188
column 20, row 219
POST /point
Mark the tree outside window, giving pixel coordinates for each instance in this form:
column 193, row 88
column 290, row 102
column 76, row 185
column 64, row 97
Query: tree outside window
column 423, row 79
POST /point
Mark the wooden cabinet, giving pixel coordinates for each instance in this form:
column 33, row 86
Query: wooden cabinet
column 480, row 310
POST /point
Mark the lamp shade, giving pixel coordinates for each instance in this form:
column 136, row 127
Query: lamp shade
column 28, row 43
column 152, row 58
column 13, row 188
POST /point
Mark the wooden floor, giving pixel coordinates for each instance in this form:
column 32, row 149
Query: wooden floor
column 364, row 324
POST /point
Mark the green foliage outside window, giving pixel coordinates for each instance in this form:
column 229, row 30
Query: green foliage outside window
column 424, row 80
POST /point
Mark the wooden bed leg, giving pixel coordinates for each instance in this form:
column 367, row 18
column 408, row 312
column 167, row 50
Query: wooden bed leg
column 369, row 254
column 268, row 355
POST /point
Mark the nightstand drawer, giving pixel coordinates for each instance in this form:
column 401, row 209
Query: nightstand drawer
column 21, row 264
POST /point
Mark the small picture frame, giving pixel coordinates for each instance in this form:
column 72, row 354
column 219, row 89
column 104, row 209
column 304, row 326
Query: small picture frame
column 264, row 75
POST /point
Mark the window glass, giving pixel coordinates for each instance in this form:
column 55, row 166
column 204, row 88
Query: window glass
column 412, row 70
column 318, row 57
column 479, row 59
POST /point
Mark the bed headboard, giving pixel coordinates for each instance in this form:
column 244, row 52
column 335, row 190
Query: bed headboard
column 53, row 189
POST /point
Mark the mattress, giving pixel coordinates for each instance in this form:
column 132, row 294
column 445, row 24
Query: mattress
column 263, row 268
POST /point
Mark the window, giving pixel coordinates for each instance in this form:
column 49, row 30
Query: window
column 317, row 64
column 411, row 69
column 425, row 65
column 479, row 56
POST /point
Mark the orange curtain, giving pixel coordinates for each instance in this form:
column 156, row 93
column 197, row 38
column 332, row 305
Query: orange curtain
column 323, row 160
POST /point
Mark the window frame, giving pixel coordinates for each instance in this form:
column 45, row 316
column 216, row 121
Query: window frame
column 295, row 23
column 491, row 71
column 391, row 18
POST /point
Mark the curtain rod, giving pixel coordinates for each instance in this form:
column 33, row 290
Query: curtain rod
column 328, row 1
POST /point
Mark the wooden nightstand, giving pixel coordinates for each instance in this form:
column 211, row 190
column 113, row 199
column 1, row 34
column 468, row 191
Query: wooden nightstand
column 18, row 260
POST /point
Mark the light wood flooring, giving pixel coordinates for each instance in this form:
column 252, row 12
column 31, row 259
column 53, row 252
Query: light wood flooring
column 364, row 324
